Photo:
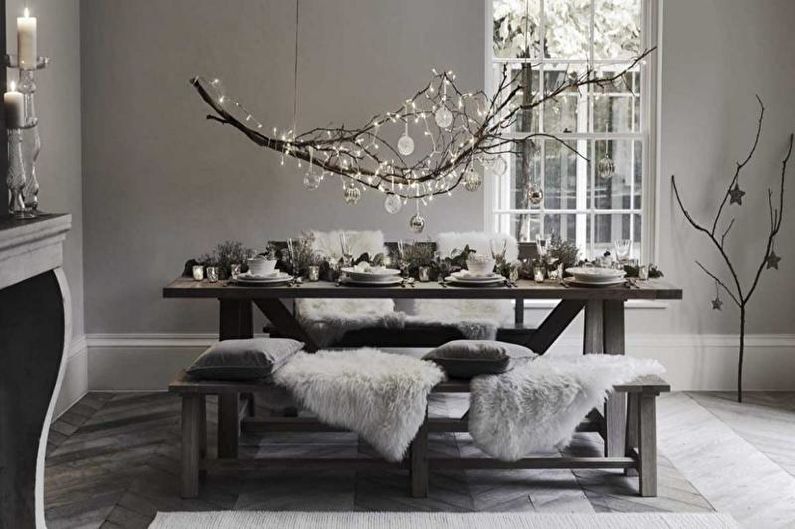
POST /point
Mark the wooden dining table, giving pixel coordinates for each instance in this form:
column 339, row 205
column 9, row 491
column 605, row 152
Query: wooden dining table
column 604, row 309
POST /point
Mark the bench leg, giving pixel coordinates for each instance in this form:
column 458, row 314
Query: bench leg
column 632, row 430
column 191, row 444
column 228, row 425
column 647, row 444
column 202, row 433
column 418, row 469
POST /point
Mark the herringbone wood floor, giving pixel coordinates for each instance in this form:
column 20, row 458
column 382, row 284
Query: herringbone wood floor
column 114, row 462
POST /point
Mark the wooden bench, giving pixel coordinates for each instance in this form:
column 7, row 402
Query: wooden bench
column 234, row 403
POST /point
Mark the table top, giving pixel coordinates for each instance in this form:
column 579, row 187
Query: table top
column 185, row 287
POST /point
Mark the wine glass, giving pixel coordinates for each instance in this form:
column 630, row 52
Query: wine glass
column 542, row 244
column 347, row 255
column 622, row 247
column 498, row 248
column 291, row 255
column 402, row 262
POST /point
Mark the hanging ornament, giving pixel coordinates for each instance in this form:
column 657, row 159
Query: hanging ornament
column 393, row 204
column 772, row 260
column 472, row 180
column 606, row 167
column 405, row 144
column 352, row 194
column 717, row 303
column 499, row 166
column 443, row 117
column 312, row 180
column 736, row 195
column 535, row 195
column 417, row 223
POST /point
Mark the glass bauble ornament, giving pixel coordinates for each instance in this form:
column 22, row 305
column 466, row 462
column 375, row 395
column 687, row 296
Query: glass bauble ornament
column 312, row 181
column 606, row 168
column 443, row 117
column 352, row 194
column 393, row 203
column 417, row 223
column 535, row 195
column 472, row 180
column 405, row 145
column 499, row 166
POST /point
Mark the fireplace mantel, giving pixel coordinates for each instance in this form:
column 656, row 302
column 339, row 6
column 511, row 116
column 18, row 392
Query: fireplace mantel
column 35, row 328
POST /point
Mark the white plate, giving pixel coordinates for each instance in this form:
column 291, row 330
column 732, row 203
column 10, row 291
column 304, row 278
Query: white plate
column 593, row 274
column 573, row 282
column 388, row 274
column 471, row 283
column 464, row 275
column 276, row 278
column 391, row 281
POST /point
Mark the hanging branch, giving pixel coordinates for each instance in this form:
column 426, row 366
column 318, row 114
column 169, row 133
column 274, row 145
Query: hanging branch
column 734, row 195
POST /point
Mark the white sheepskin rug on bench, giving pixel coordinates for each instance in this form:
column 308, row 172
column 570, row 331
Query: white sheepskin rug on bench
column 537, row 405
column 380, row 396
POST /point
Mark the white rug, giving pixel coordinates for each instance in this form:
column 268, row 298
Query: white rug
column 418, row 520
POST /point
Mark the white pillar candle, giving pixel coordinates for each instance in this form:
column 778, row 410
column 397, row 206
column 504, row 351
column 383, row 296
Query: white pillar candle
column 14, row 107
column 26, row 41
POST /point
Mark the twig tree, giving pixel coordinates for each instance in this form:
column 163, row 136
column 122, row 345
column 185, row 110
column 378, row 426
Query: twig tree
column 716, row 234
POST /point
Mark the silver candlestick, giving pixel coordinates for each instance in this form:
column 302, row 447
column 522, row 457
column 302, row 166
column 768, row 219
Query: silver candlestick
column 30, row 137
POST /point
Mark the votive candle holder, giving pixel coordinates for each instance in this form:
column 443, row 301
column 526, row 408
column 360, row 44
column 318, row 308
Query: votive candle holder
column 212, row 274
column 313, row 273
column 424, row 274
column 198, row 272
column 538, row 274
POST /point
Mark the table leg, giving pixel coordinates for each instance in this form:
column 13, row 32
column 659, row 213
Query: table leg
column 418, row 469
column 616, row 405
column 285, row 321
column 228, row 424
column 594, row 327
column 554, row 324
column 235, row 319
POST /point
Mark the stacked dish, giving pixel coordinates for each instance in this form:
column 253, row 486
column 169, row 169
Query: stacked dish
column 365, row 274
column 471, row 279
column 271, row 279
column 592, row 276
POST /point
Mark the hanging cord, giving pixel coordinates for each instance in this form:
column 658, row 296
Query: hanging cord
column 295, row 72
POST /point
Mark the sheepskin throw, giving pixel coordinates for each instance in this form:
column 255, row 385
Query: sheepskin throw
column 380, row 396
column 538, row 405
column 327, row 320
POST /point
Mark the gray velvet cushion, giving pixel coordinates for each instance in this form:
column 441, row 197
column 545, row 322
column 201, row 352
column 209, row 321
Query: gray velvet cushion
column 244, row 359
column 469, row 358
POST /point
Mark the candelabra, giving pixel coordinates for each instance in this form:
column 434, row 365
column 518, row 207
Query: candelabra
column 24, row 145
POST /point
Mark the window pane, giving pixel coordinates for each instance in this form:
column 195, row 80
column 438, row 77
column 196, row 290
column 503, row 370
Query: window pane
column 525, row 171
column 568, row 111
column 562, row 166
column 637, row 195
column 637, row 235
column 616, row 28
column 609, row 228
column 516, row 31
column 616, row 105
column 567, row 29
column 615, row 168
column 521, row 74
column 563, row 225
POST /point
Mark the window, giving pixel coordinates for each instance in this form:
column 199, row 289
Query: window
column 607, row 197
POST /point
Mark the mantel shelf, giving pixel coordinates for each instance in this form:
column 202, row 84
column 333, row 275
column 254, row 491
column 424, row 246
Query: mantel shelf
column 31, row 247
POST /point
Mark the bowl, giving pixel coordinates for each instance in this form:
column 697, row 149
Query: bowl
column 261, row 266
column 481, row 265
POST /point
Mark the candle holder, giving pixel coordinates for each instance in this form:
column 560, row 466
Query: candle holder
column 30, row 137
column 16, row 177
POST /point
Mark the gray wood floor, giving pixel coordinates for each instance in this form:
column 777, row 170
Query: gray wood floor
column 113, row 461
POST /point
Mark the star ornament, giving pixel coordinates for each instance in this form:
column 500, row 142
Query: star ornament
column 717, row 304
column 736, row 195
column 772, row 260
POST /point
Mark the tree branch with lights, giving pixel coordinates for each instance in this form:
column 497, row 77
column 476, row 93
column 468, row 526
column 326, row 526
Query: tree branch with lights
column 739, row 294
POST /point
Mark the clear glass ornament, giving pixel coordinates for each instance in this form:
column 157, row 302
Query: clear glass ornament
column 606, row 168
column 312, row 181
column 417, row 223
column 499, row 166
column 443, row 117
column 393, row 204
column 405, row 145
column 352, row 194
column 472, row 180
column 535, row 195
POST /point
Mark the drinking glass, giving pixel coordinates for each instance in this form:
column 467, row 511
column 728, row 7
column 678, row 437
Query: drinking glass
column 403, row 264
column 498, row 248
column 347, row 255
column 622, row 247
column 542, row 244
column 291, row 255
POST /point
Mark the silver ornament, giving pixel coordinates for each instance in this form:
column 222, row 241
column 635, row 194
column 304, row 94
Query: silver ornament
column 472, row 180
column 443, row 117
column 393, row 203
column 352, row 194
column 499, row 166
column 605, row 167
column 417, row 223
column 312, row 181
column 535, row 195
column 405, row 145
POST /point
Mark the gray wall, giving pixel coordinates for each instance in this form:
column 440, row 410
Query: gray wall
column 59, row 165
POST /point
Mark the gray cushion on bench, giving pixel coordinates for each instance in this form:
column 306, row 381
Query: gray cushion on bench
column 469, row 358
column 244, row 359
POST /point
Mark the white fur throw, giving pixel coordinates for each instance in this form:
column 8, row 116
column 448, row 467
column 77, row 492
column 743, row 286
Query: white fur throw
column 538, row 405
column 380, row 396
column 327, row 320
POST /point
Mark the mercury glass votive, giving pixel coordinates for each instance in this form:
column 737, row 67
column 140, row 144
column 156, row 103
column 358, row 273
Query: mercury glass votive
column 212, row 274
column 424, row 274
column 643, row 272
column 235, row 270
column 538, row 274
column 198, row 272
column 313, row 273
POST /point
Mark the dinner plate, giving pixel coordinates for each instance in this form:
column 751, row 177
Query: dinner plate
column 593, row 274
column 464, row 275
column 247, row 278
column 389, row 282
column 472, row 283
column 386, row 274
column 589, row 284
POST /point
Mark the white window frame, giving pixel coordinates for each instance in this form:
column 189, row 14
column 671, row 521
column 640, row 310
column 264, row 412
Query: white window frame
column 651, row 17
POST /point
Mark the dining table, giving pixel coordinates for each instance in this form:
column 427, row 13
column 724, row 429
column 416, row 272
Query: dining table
column 604, row 309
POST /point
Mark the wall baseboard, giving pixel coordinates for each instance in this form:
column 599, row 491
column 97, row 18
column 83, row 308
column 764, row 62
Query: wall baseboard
column 75, row 379
column 147, row 362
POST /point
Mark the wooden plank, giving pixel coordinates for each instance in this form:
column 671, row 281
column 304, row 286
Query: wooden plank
column 191, row 445
column 202, row 431
column 228, row 425
column 418, row 465
column 554, row 324
column 235, row 319
column 593, row 342
column 616, row 405
column 647, row 444
column 292, row 463
column 463, row 463
column 631, row 442
column 285, row 321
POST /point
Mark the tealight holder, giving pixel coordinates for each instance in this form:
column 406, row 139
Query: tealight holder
column 313, row 273
column 643, row 272
column 424, row 274
column 198, row 272
column 212, row 274
column 539, row 273
column 235, row 270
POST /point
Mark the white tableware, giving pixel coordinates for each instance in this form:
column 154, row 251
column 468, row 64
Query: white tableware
column 261, row 266
column 589, row 284
column 466, row 275
column 386, row 282
column 374, row 273
column 275, row 278
column 453, row 280
column 593, row 274
column 480, row 264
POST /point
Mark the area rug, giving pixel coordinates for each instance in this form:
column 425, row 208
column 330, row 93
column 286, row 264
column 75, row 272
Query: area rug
column 418, row 520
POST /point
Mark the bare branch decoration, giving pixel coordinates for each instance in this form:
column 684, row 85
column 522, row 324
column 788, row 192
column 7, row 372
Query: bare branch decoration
column 733, row 195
